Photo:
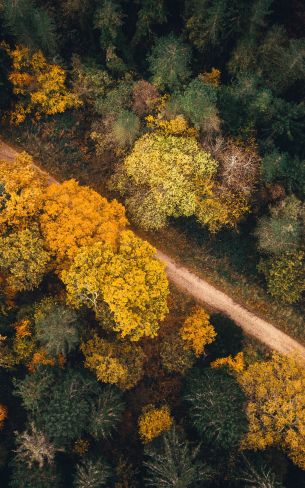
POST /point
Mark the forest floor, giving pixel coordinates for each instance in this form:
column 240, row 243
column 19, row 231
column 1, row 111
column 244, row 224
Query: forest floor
column 207, row 294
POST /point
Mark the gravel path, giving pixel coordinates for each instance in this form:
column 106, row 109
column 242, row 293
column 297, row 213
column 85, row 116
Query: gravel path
column 207, row 294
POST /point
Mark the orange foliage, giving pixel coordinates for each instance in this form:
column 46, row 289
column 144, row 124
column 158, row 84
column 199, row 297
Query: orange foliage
column 76, row 216
column 211, row 77
column 40, row 358
column 236, row 364
column 3, row 415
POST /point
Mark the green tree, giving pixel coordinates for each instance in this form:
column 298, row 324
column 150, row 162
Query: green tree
column 169, row 63
column 172, row 463
column 22, row 476
column 282, row 230
column 57, row 327
column 198, row 104
column 30, row 24
column 216, row 407
column 151, row 14
column 126, row 128
column 106, row 413
column 92, row 474
column 285, row 275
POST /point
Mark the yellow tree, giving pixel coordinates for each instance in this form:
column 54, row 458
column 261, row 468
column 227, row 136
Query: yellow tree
column 154, row 421
column 75, row 216
column 39, row 86
column 21, row 192
column 197, row 331
column 129, row 279
column 276, row 406
column 119, row 363
column 23, row 259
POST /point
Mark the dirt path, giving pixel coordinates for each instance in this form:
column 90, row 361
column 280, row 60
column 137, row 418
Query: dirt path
column 205, row 293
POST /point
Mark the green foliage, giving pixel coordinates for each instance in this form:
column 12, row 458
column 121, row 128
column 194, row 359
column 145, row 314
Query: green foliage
column 64, row 412
column 126, row 128
column 172, row 463
column 106, row 413
column 229, row 336
column 285, row 275
column 290, row 171
column 174, row 356
column 34, row 387
column 108, row 18
column 282, row 230
column 22, row 476
column 198, row 104
column 56, row 326
column 118, row 97
column 169, row 63
column 92, row 474
column 216, row 407
column 252, row 470
column 30, row 24
column 150, row 14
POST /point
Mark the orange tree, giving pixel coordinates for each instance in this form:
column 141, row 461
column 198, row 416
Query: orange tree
column 75, row 216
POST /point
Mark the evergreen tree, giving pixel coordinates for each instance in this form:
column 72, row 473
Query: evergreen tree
column 106, row 413
column 92, row 474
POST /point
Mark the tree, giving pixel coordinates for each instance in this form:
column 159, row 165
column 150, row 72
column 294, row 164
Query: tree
column 172, row 463
column 153, row 422
column 150, row 14
column 91, row 473
column 65, row 408
column 24, row 477
column 108, row 19
column 131, row 281
column 29, row 24
column 33, row 447
column 24, row 259
column 145, row 96
column 216, row 407
column 169, row 63
column 281, row 231
column 198, row 104
column 38, row 85
column 197, row 331
column 34, row 387
column 285, row 275
column 3, row 415
column 275, row 409
column 107, row 412
column 21, row 195
column 254, row 471
column 75, row 216
column 125, row 129
column 119, row 363
column 164, row 177
column 56, row 327
column 174, row 356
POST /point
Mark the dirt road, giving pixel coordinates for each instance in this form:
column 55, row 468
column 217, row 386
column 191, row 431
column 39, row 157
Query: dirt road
column 205, row 293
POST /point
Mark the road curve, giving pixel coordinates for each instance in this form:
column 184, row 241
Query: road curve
column 207, row 294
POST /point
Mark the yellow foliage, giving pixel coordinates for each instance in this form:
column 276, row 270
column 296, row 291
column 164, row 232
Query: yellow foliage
column 276, row 405
column 226, row 208
column 197, row 331
column 22, row 193
column 3, row 415
column 211, row 77
column 153, row 422
column 175, row 126
column 118, row 363
column 39, row 86
column 130, row 280
column 23, row 342
column 7, row 357
column 75, row 216
column 236, row 364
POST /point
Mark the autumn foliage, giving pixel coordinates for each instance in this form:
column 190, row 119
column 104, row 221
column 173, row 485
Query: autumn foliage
column 197, row 331
column 153, row 422
column 39, row 86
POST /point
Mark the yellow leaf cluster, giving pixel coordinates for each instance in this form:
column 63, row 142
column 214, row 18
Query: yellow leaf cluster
column 276, row 405
column 75, row 216
column 119, row 363
column 176, row 126
column 39, row 86
column 236, row 364
column 153, row 422
column 129, row 279
column 3, row 415
column 197, row 331
column 211, row 77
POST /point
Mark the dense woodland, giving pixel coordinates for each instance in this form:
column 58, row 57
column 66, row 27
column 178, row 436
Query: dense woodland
column 170, row 124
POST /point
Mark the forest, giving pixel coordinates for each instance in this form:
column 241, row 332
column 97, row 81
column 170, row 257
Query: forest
column 142, row 126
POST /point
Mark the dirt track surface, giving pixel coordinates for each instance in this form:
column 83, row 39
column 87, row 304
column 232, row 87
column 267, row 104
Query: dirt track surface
column 207, row 294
